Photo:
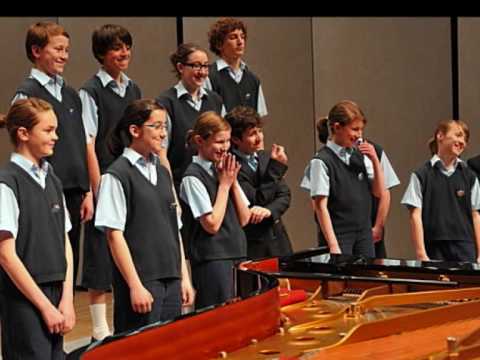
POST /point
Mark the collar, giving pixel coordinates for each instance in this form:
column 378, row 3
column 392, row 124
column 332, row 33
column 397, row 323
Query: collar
column 222, row 64
column 135, row 158
column 435, row 158
column 106, row 78
column 207, row 165
column 182, row 90
column 27, row 164
column 337, row 149
column 44, row 79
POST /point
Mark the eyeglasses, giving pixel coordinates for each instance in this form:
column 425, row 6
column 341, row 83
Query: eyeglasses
column 197, row 66
column 156, row 126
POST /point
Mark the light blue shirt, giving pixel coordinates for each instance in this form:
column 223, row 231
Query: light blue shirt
column 9, row 210
column 195, row 194
column 316, row 179
column 90, row 108
column 237, row 76
column 194, row 103
column 252, row 159
column 413, row 194
column 111, row 211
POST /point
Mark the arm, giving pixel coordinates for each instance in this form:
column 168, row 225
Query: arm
column 243, row 212
column 382, row 212
column 188, row 293
column 378, row 184
column 140, row 297
column 93, row 167
column 476, row 228
column 22, row 279
column 416, row 232
column 66, row 306
column 319, row 204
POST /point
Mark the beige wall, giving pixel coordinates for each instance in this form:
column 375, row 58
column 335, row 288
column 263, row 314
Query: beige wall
column 397, row 69
column 469, row 79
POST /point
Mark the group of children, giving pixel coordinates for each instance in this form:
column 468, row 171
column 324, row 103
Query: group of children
column 184, row 176
column 118, row 165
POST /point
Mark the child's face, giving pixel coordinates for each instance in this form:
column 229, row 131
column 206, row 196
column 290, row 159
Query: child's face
column 453, row 142
column 234, row 44
column 215, row 147
column 117, row 59
column 152, row 132
column 194, row 72
column 347, row 135
column 251, row 142
column 40, row 140
column 52, row 58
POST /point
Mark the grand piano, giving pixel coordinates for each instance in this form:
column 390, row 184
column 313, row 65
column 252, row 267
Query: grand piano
column 314, row 305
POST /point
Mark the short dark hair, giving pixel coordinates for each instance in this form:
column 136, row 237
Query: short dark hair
column 108, row 36
column 242, row 118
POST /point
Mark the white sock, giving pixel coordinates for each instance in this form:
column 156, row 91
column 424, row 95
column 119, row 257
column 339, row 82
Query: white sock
column 98, row 314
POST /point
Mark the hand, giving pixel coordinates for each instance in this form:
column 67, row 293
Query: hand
column 188, row 293
column 227, row 170
column 377, row 233
column 368, row 150
column 278, row 153
column 68, row 310
column 87, row 208
column 54, row 319
column 141, row 299
column 259, row 213
column 478, row 259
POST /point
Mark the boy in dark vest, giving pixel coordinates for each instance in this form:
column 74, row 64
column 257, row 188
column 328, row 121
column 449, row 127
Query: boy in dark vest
column 104, row 97
column 229, row 76
column 262, row 179
column 47, row 45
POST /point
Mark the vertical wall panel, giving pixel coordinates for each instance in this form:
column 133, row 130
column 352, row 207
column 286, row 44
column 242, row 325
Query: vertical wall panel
column 399, row 71
column 279, row 52
column 14, row 64
column 469, row 79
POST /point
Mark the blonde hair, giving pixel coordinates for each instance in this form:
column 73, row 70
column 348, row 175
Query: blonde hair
column 443, row 127
column 206, row 125
column 23, row 113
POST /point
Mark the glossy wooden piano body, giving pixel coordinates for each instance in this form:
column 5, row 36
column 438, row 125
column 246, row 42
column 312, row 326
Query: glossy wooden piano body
column 351, row 308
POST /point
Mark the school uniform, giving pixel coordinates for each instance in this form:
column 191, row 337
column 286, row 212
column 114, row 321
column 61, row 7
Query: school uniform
column 69, row 159
column 33, row 211
column 261, row 178
column 104, row 101
column 136, row 198
column 447, row 198
column 391, row 180
column 212, row 257
column 343, row 175
column 182, row 113
column 236, row 87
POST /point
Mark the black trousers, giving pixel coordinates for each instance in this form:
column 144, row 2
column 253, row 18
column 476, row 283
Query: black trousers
column 73, row 199
column 455, row 250
column 97, row 261
column 25, row 335
column 357, row 243
column 167, row 304
column 213, row 282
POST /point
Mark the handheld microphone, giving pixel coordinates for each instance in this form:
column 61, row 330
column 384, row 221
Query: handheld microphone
column 359, row 141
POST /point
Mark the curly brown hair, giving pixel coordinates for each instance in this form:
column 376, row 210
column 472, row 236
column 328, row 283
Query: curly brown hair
column 220, row 29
